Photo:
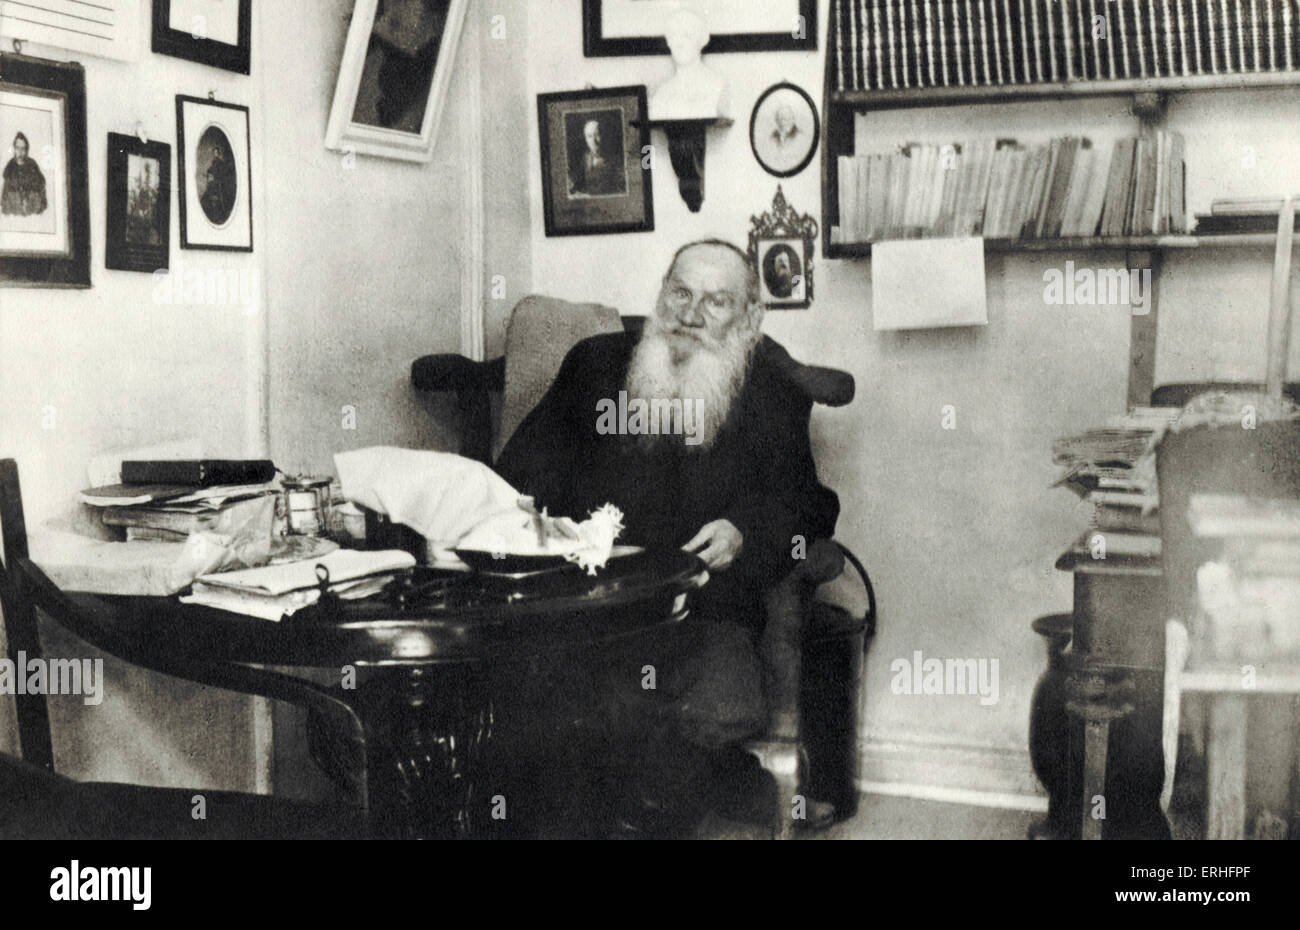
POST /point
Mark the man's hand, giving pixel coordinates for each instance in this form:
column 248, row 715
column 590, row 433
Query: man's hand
column 717, row 543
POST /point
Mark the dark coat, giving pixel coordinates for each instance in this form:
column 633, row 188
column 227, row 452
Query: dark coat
column 759, row 473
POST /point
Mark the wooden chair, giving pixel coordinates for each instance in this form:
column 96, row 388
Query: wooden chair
column 37, row 803
column 540, row 333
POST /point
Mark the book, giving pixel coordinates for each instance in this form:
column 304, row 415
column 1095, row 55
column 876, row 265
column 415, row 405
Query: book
column 1037, row 175
column 1249, row 206
column 861, row 213
column 877, row 195
column 1117, row 542
column 1139, row 185
column 1078, row 189
column 983, row 175
column 1130, row 520
column 848, row 197
column 1178, row 184
column 197, row 472
column 1160, row 203
column 123, row 495
column 185, row 519
column 1253, row 223
column 1094, row 201
column 1116, row 184
column 1059, row 190
column 153, row 534
column 1013, row 214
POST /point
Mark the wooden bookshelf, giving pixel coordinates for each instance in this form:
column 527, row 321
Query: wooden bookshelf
column 1091, row 243
column 852, row 87
column 908, row 98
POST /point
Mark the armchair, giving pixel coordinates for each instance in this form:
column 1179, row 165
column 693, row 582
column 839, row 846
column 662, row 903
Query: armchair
column 812, row 650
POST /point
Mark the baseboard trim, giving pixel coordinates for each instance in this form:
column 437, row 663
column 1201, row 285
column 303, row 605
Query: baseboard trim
column 1015, row 802
column 938, row 770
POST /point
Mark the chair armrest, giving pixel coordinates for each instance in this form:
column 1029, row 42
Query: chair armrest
column 457, row 373
column 823, row 562
column 473, row 383
column 829, row 386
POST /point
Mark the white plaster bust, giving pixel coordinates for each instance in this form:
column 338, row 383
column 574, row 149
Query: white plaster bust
column 695, row 91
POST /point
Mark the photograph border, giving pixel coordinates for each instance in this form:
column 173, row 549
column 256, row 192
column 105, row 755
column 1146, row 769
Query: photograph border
column 778, row 223
column 632, row 159
column 69, row 80
column 183, row 181
column 343, row 135
column 816, row 132
column 178, row 44
column 596, row 45
column 117, row 253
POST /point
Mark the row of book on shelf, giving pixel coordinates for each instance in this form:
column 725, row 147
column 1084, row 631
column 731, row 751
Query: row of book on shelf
column 1000, row 188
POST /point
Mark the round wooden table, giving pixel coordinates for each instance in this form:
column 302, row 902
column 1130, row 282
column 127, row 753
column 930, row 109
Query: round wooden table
column 436, row 631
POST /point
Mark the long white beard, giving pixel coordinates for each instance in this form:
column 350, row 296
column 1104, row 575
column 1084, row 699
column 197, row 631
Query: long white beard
column 708, row 376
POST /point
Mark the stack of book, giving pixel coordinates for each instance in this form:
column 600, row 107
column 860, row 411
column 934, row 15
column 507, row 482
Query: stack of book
column 168, row 501
column 1242, row 215
column 1113, row 468
column 999, row 188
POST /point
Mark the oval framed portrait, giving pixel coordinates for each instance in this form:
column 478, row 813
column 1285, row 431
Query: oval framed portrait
column 784, row 130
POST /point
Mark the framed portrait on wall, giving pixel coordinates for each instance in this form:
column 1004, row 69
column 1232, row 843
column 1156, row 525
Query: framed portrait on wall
column 211, row 32
column 214, row 165
column 393, row 80
column 784, row 130
column 636, row 27
column 139, row 204
column 44, row 198
column 595, row 169
column 781, row 245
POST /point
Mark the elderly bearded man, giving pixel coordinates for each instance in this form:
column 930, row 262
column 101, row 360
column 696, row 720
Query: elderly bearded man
column 735, row 484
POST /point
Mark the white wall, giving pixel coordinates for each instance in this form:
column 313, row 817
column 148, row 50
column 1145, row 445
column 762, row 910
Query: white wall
column 356, row 272
column 959, row 529
column 364, row 257
column 120, row 369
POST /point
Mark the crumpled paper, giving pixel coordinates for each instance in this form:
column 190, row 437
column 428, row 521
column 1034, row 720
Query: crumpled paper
column 587, row 544
column 456, row 502
column 439, row 495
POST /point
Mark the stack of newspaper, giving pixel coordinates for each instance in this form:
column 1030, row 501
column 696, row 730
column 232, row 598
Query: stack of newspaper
column 1113, row 468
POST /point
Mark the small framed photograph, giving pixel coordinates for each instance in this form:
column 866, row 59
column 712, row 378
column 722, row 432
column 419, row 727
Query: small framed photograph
column 781, row 273
column 784, row 130
column 595, row 165
column 211, row 32
column 214, row 165
column 393, row 81
column 636, row 27
column 781, row 244
column 44, row 196
column 139, row 204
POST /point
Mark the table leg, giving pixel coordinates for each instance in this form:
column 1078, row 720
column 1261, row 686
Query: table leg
column 1096, row 739
column 1099, row 697
column 437, row 723
column 1225, row 760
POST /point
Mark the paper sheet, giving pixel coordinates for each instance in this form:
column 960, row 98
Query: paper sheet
column 925, row 283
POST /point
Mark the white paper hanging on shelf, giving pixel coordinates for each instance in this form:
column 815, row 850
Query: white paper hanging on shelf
column 927, row 283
